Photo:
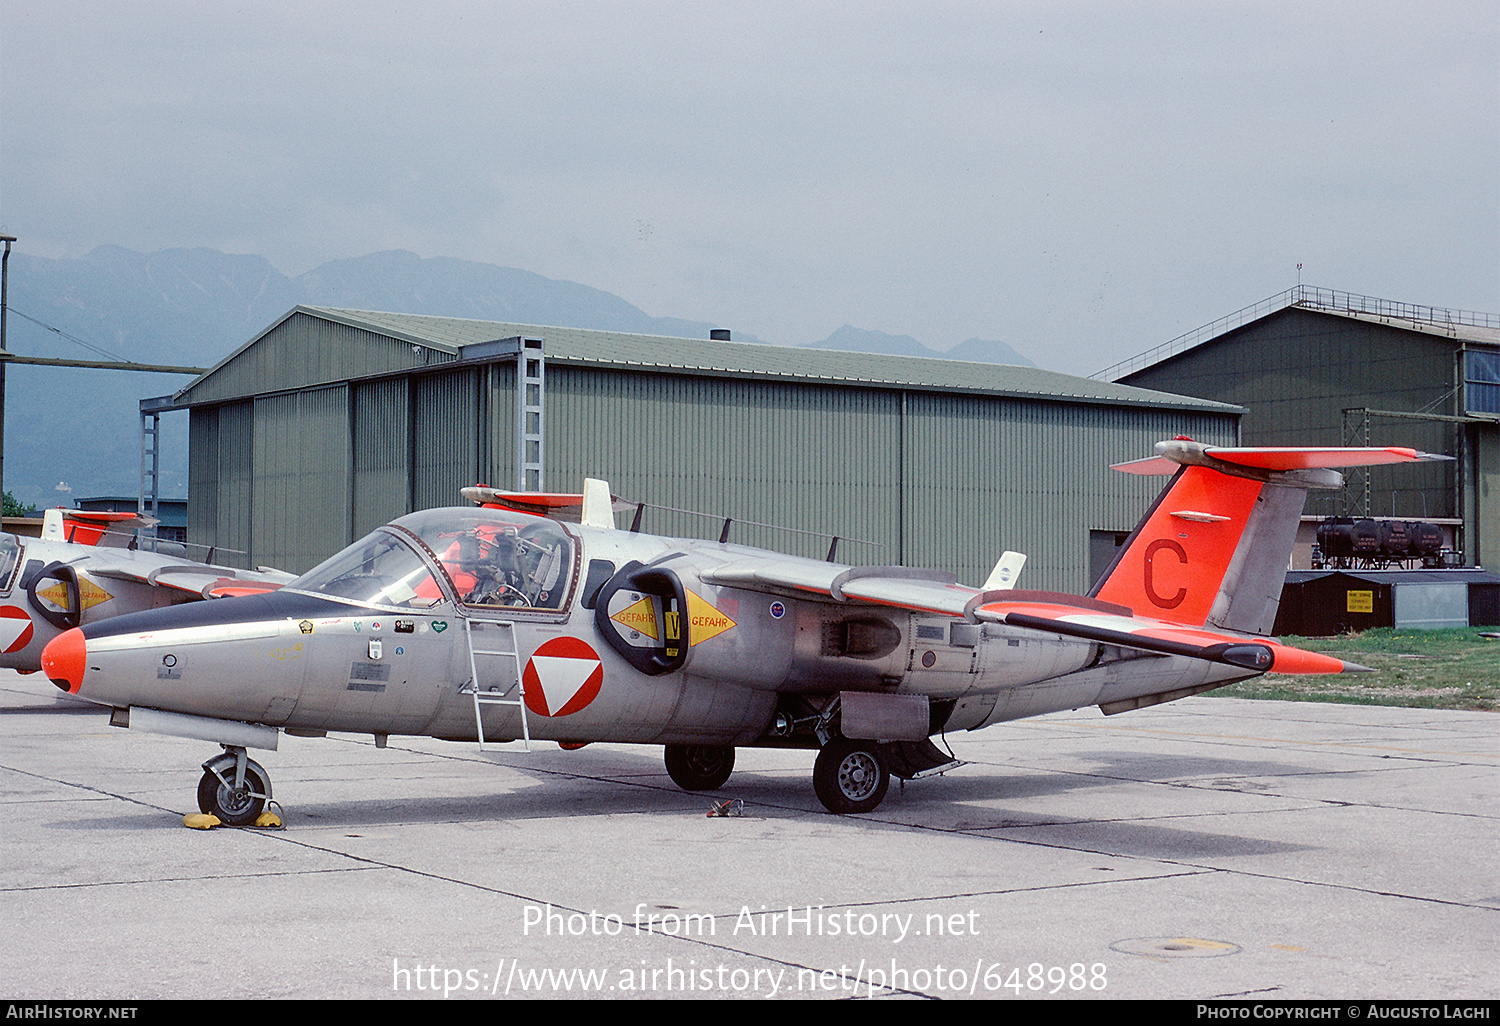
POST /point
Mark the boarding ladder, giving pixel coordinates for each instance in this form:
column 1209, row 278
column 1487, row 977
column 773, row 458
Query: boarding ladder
column 495, row 692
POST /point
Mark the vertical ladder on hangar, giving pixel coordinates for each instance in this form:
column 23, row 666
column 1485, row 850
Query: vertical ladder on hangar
column 530, row 372
column 530, row 398
column 496, row 693
column 148, row 499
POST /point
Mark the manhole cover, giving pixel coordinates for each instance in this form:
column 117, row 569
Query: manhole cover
column 1175, row 947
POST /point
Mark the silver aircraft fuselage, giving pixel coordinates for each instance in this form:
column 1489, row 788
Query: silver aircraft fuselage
column 617, row 637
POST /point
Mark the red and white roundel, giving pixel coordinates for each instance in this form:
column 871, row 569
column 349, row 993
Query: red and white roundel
column 561, row 677
column 15, row 629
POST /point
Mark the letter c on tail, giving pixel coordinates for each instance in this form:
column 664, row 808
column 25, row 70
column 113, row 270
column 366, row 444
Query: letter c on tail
column 1151, row 593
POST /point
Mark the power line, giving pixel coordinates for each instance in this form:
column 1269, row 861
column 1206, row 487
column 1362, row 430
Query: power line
column 71, row 338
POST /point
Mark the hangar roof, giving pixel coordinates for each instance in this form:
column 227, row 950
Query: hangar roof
column 1455, row 325
column 614, row 349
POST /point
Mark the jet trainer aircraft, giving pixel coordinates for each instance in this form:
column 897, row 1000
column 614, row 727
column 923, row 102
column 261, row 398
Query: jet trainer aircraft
column 505, row 622
column 85, row 567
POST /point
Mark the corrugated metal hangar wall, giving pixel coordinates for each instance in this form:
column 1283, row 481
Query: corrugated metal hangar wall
column 332, row 422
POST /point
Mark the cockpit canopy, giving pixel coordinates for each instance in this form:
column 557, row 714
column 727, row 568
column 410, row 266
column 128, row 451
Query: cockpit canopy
column 478, row 557
column 10, row 551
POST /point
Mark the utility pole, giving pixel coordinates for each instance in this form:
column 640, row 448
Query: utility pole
column 44, row 361
column 4, row 303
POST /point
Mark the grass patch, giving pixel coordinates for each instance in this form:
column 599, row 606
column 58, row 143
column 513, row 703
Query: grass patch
column 1449, row 669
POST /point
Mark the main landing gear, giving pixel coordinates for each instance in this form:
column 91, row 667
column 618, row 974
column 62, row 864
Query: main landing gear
column 851, row 776
column 699, row 767
column 234, row 788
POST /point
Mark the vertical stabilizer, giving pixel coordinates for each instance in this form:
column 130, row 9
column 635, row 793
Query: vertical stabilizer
column 1214, row 547
column 1173, row 566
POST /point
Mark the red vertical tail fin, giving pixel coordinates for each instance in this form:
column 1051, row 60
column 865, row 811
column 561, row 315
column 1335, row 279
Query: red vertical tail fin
column 1214, row 547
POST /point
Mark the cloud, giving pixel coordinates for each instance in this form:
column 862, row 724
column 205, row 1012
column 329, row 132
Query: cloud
column 1081, row 180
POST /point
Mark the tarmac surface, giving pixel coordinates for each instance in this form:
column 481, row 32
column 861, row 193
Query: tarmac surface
column 1206, row 849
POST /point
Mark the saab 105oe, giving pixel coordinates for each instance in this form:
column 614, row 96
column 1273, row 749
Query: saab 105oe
column 505, row 621
column 86, row 566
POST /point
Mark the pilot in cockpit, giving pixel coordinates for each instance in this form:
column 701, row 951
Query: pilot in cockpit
column 507, row 569
column 494, row 568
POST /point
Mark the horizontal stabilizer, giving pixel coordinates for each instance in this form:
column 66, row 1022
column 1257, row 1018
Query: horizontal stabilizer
column 94, row 527
column 592, row 506
column 1181, row 452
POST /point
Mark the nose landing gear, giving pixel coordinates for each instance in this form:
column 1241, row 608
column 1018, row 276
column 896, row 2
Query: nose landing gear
column 234, row 788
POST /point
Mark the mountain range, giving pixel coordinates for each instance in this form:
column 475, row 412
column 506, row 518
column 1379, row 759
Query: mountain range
column 71, row 434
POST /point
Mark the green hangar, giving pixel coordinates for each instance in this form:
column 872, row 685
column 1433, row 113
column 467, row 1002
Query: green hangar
column 331, row 422
column 1320, row 367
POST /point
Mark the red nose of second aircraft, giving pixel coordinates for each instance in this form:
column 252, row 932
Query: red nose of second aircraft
column 63, row 660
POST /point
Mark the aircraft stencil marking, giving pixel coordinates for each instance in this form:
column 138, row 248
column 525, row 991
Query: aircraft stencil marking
column 562, row 677
column 89, row 592
column 640, row 617
column 705, row 620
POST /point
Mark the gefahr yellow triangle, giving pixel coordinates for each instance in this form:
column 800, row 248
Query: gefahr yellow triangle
column 89, row 592
column 704, row 621
column 640, row 617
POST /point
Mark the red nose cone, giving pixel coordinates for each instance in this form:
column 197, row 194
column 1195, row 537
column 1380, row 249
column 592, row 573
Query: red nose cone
column 63, row 660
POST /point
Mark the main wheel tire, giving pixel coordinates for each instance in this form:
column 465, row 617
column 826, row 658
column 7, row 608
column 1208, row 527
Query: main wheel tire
column 235, row 806
column 850, row 776
column 699, row 767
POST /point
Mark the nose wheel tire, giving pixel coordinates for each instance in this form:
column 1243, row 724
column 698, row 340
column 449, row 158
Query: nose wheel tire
column 850, row 776
column 699, row 767
column 234, row 806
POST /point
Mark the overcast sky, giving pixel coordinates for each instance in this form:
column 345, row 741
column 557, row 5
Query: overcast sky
column 1081, row 180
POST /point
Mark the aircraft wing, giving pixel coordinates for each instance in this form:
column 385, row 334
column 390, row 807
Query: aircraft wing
column 928, row 591
column 1097, row 622
column 197, row 578
column 923, row 591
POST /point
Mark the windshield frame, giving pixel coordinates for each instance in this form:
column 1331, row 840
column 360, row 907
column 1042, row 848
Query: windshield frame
column 464, row 517
column 405, row 533
column 403, row 539
column 12, row 548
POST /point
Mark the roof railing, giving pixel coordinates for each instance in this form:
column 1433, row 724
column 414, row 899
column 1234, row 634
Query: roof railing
column 1309, row 297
